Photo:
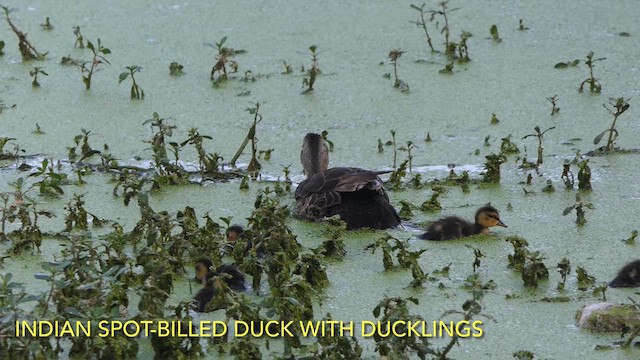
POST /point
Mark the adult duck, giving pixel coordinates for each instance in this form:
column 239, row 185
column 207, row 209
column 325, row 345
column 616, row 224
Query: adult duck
column 357, row 195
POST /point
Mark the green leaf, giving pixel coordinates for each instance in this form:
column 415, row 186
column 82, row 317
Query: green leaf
column 597, row 139
column 90, row 45
column 415, row 7
column 106, row 51
column 123, row 76
column 568, row 210
column 561, row 65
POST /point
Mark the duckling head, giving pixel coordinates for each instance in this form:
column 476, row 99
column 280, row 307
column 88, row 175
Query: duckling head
column 234, row 232
column 314, row 155
column 203, row 268
column 487, row 216
column 628, row 276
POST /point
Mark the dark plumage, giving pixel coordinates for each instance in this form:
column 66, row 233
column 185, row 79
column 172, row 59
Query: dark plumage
column 229, row 273
column 204, row 296
column 628, row 276
column 453, row 227
column 357, row 195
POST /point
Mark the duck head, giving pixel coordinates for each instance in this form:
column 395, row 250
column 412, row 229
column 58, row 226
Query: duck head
column 487, row 216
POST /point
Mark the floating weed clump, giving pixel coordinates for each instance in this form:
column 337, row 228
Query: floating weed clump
column 176, row 69
column 477, row 256
column 528, row 263
column 584, row 175
column 539, row 136
column 166, row 172
column 494, row 119
column 579, row 206
column 406, row 212
column 136, row 90
column 50, row 182
column 492, row 167
column 594, row 84
column 616, row 108
column 631, row 239
column 208, row 163
column 310, row 79
column 406, row 259
column 495, row 36
column 564, row 65
column 508, row 147
column 394, row 55
column 433, row 204
column 99, row 53
column 27, row 51
column 584, row 279
column 34, row 73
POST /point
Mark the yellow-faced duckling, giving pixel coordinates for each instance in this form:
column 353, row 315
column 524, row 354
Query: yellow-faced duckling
column 453, row 227
column 628, row 276
column 357, row 195
column 230, row 274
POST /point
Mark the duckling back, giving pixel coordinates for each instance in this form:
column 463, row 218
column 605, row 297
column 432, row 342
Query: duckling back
column 451, row 227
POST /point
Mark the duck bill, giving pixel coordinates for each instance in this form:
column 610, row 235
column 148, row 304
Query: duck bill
column 500, row 223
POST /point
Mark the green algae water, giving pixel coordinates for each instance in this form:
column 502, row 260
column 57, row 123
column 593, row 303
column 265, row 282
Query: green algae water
column 358, row 106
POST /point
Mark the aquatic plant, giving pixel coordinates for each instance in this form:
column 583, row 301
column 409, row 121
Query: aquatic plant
column 27, row 50
column 521, row 26
column 584, row 279
column 254, row 166
column 410, row 146
column 564, row 65
column 494, row 119
column 523, row 354
column 99, row 53
column 223, row 58
column 507, row 146
column 492, row 167
column 477, row 256
column 494, row 33
column 79, row 43
column 616, row 108
column 549, row 187
column 34, row 73
column 564, row 268
column 325, row 137
column 579, row 206
column 631, row 239
column 1, row 47
column 554, row 108
column 421, row 23
column 136, row 90
column 50, row 182
column 539, row 136
column 534, row 269
column 82, row 146
column 584, row 175
column 166, row 172
column 594, row 84
column 394, row 55
column 287, row 68
column 208, row 163
column 47, row 26
column 433, row 204
column 176, row 69
column 391, row 311
column 313, row 71
column 463, row 49
column 567, row 175
column 406, row 212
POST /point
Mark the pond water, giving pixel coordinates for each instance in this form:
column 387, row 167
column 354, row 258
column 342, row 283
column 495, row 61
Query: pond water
column 357, row 106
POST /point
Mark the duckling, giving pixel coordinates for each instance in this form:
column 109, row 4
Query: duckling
column 628, row 276
column 233, row 233
column 357, row 195
column 232, row 276
column 453, row 227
